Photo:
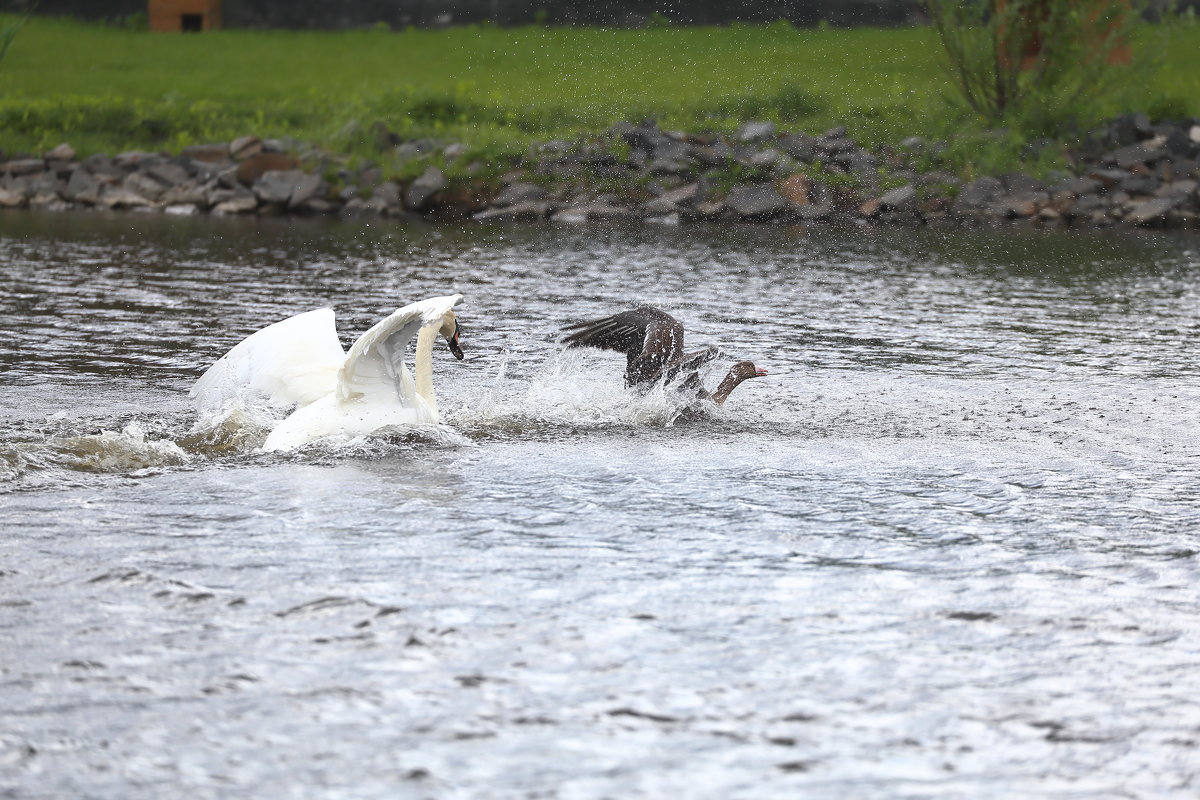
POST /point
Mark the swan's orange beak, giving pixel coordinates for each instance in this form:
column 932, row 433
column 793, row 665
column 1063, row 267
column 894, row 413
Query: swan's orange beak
column 452, row 343
column 759, row 372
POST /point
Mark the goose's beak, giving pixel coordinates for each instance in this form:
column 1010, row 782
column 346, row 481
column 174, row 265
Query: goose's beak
column 759, row 372
column 452, row 343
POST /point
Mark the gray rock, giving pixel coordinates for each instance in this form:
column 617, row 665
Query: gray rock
column 521, row 212
column 857, row 162
column 519, row 192
column 142, row 184
column 977, row 194
column 902, row 198
column 243, row 202
column 120, row 197
column 11, row 198
column 168, row 173
column 209, row 153
column 188, row 193
column 23, row 166
column 132, row 159
column 276, row 186
column 1150, row 211
column 245, row 146
column 765, row 158
column 385, row 195
column 800, row 147
column 101, row 166
column 181, row 210
column 1109, row 177
column 308, row 188
column 1077, row 186
column 814, row 212
column 1139, row 184
column 83, row 187
column 1142, row 153
column 755, row 131
column 456, row 150
column 758, row 201
column 421, row 191
column 1176, row 142
column 237, row 200
column 64, row 152
column 1020, row 184
column 713, row 155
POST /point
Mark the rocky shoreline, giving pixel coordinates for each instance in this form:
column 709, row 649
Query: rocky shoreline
column 1131, row 173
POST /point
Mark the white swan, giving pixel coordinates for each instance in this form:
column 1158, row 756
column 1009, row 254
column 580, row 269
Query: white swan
column 300, row 361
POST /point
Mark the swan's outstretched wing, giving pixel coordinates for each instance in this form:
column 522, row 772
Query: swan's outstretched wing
column 375, row 363
column 291, row 362
column 650, row 338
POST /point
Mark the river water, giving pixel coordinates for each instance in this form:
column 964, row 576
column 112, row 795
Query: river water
column 948, row 547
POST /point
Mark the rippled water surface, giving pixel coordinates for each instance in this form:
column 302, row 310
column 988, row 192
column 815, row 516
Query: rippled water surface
column 947, row 548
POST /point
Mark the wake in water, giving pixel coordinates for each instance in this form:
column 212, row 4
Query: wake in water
column 571, row 391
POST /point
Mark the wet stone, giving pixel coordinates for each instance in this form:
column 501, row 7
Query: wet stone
column 756, row 202
column 420, row 192
column 519, row 192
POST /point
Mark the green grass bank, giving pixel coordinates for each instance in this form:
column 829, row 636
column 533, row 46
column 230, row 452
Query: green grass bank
column 108, row 89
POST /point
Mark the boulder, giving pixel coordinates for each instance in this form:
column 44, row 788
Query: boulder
column 245, row 147
column 1141, row 153
column 22, row 166
column 519, row 193
column 142, row 184
column 64, row 152
column 168, row 173
column 1149, row 212
column 255, row 166
column 755, row 131
column 121, row 197
column 1021, row 184
column 904, row 197
column 800, row 147
column 208, row 153
column 977, row 194
column 531, row 211
column 181, row 210
column 132, row 159
column 757, row 201
column 310, row 187
column 239, row 201
column 1108, row 177
column 1139, row 184
column 385, row 195
column 1077, row 186
column 276, row 186
column 11, row 198
column 188, row 193
column 83, row 187
column 419, row 194
column 796, row 189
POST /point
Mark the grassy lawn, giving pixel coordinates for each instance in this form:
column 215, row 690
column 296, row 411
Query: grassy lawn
column 497, row 89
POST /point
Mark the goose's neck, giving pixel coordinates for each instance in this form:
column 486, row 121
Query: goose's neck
column 726, row 386
column 424, row 364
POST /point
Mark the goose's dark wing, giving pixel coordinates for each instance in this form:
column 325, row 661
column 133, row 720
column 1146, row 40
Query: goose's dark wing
column 650, row 339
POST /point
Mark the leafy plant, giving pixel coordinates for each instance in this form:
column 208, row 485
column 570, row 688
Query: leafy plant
column 9, row 30
column 1039, row 64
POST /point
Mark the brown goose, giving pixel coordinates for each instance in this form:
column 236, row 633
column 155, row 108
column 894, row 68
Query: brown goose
column 652, row 341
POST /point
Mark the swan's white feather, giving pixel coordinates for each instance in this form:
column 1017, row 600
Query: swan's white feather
column 292, row 362
column 374, row 366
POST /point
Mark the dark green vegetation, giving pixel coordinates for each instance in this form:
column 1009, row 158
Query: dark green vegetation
column 500, row 89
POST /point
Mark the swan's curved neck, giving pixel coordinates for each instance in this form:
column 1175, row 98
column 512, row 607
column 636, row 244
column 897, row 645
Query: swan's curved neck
column 423, row 369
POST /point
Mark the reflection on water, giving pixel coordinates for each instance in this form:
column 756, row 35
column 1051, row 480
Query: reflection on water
column 947, row 548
